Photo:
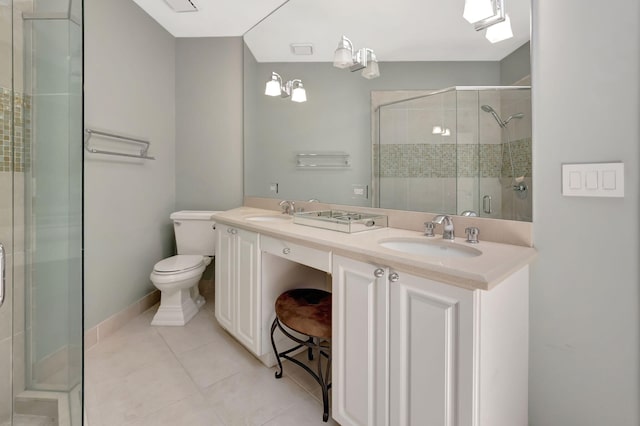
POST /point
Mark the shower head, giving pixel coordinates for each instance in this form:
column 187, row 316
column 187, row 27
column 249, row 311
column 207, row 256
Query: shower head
column 487, row 108
column 511, row 117
column 503, row 124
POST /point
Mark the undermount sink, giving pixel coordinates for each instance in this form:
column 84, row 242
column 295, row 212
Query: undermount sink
column 269, row 218
column 430, row 248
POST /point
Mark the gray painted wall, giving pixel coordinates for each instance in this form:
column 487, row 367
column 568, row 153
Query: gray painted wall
column 516, row 66
column 209, row 123
column 129, row 89
column 585, row 330
column 336, row 117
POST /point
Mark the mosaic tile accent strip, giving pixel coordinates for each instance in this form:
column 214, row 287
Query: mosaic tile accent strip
column 439, row 160
column 19, row 158
column 521, row 153
column 418, row 160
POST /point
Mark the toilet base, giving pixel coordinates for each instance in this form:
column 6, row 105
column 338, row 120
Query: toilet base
column 198, row 299
column 175, row 309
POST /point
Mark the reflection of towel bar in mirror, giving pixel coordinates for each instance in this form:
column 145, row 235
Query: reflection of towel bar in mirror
column 320, row 160
column 126, row 139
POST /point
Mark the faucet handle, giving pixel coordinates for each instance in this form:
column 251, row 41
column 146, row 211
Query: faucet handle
column 429, row 228
column 472, row 234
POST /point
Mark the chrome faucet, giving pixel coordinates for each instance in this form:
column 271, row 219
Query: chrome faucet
column 447, row 223
column 288, row 207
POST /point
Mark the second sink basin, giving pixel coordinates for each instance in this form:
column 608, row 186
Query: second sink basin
column 430, row 247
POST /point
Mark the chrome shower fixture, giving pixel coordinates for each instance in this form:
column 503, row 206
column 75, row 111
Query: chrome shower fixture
column 292, row 88
column 501, row 123
column 363, row 59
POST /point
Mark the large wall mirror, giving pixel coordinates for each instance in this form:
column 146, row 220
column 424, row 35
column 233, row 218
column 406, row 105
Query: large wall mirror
column 444, row 128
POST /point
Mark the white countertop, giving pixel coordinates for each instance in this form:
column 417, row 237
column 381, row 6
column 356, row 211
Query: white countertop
column 483, row 272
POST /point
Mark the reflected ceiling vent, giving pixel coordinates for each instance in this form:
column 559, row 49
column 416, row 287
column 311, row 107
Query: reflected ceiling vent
column 182, row 5
column 301, row 48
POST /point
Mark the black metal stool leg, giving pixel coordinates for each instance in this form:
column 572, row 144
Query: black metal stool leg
column 310, row 350
column 324, row 380
column 275, row 351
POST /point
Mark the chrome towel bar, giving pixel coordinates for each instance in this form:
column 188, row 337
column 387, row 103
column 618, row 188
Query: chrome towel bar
column 143, row 150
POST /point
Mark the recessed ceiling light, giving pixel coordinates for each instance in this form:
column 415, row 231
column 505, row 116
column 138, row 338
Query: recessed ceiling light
column 301, row 48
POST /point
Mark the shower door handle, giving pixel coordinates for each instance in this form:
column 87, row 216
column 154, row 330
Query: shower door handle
column 486, row 204
column 2, row 275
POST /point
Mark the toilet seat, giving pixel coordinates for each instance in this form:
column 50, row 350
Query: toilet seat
column 178, row 264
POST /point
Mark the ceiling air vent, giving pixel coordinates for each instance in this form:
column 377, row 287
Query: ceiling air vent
column 182, row 5
column 301, row 48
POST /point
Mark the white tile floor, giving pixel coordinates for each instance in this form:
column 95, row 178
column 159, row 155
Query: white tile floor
column 191, row 375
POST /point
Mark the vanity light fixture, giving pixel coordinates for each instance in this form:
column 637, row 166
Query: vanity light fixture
column 346, row 56
column 500, row 31
column 477, row 10
column 489, row 15
column 292, row 88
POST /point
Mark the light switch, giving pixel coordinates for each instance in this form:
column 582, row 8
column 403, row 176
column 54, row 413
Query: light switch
column 609, row 179
column 575, row 180
column 593, row 180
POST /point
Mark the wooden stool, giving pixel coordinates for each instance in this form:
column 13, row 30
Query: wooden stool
column 307, row 311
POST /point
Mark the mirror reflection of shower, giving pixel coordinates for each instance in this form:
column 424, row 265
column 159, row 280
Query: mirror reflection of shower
column 519, row 186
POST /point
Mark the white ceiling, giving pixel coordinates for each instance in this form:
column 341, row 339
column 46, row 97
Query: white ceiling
column 402, row 30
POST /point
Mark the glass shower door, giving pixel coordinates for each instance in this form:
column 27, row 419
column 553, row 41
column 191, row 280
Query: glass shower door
column 41, row 325
column 6, row 214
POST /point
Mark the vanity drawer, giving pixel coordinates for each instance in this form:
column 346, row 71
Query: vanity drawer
column 315, row 258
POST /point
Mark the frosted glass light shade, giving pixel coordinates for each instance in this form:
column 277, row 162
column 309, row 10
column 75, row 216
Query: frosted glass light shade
column 500, row 31
column 342, row 58
column 299, row 94
column 477, row 10
column 273, row 88
column 371, row 70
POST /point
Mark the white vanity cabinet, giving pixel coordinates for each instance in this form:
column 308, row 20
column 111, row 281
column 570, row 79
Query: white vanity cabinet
column 359, row 342
column 412, row 351
column 237, row 284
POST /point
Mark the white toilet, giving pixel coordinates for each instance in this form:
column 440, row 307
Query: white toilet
column 177, row 276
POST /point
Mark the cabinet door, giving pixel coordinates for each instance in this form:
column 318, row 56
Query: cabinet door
column 430, row 356
column 225, row 270
column 359, row 341
column 247, row 288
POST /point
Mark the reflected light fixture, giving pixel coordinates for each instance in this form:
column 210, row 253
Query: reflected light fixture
column 489, row 15
column 477, row 10
column 439, row 130
column 346, row 56
column 500, row 31
column 292, row 88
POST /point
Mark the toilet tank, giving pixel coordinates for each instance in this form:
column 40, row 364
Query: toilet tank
column 194, row 231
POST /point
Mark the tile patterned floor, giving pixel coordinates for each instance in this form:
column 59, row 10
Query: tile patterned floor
column 191, row 375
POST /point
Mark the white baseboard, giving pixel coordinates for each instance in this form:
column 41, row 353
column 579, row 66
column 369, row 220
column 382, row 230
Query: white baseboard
column 116, row 321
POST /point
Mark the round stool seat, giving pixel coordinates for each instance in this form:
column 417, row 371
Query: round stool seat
column 306, row 310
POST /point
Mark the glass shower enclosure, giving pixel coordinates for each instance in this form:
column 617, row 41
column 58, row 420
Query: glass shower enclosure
column 461, row 150
column 41, row 318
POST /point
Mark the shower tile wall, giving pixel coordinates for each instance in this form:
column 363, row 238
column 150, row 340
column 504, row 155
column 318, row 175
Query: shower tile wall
column 419, row 170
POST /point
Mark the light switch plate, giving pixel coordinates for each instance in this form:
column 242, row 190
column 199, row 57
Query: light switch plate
column 593, row 180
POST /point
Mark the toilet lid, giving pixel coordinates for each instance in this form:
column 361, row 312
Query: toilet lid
column 181, row 262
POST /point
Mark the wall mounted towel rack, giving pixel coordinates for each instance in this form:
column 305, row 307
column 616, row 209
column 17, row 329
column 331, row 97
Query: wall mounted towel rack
column 127, row 139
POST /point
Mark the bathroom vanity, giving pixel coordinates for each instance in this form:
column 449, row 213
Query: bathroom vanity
column 417, row 339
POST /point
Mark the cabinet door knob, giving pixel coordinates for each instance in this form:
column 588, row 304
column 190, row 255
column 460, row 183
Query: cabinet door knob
column 378, row 272
column 286, row 250
column 393, row 277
